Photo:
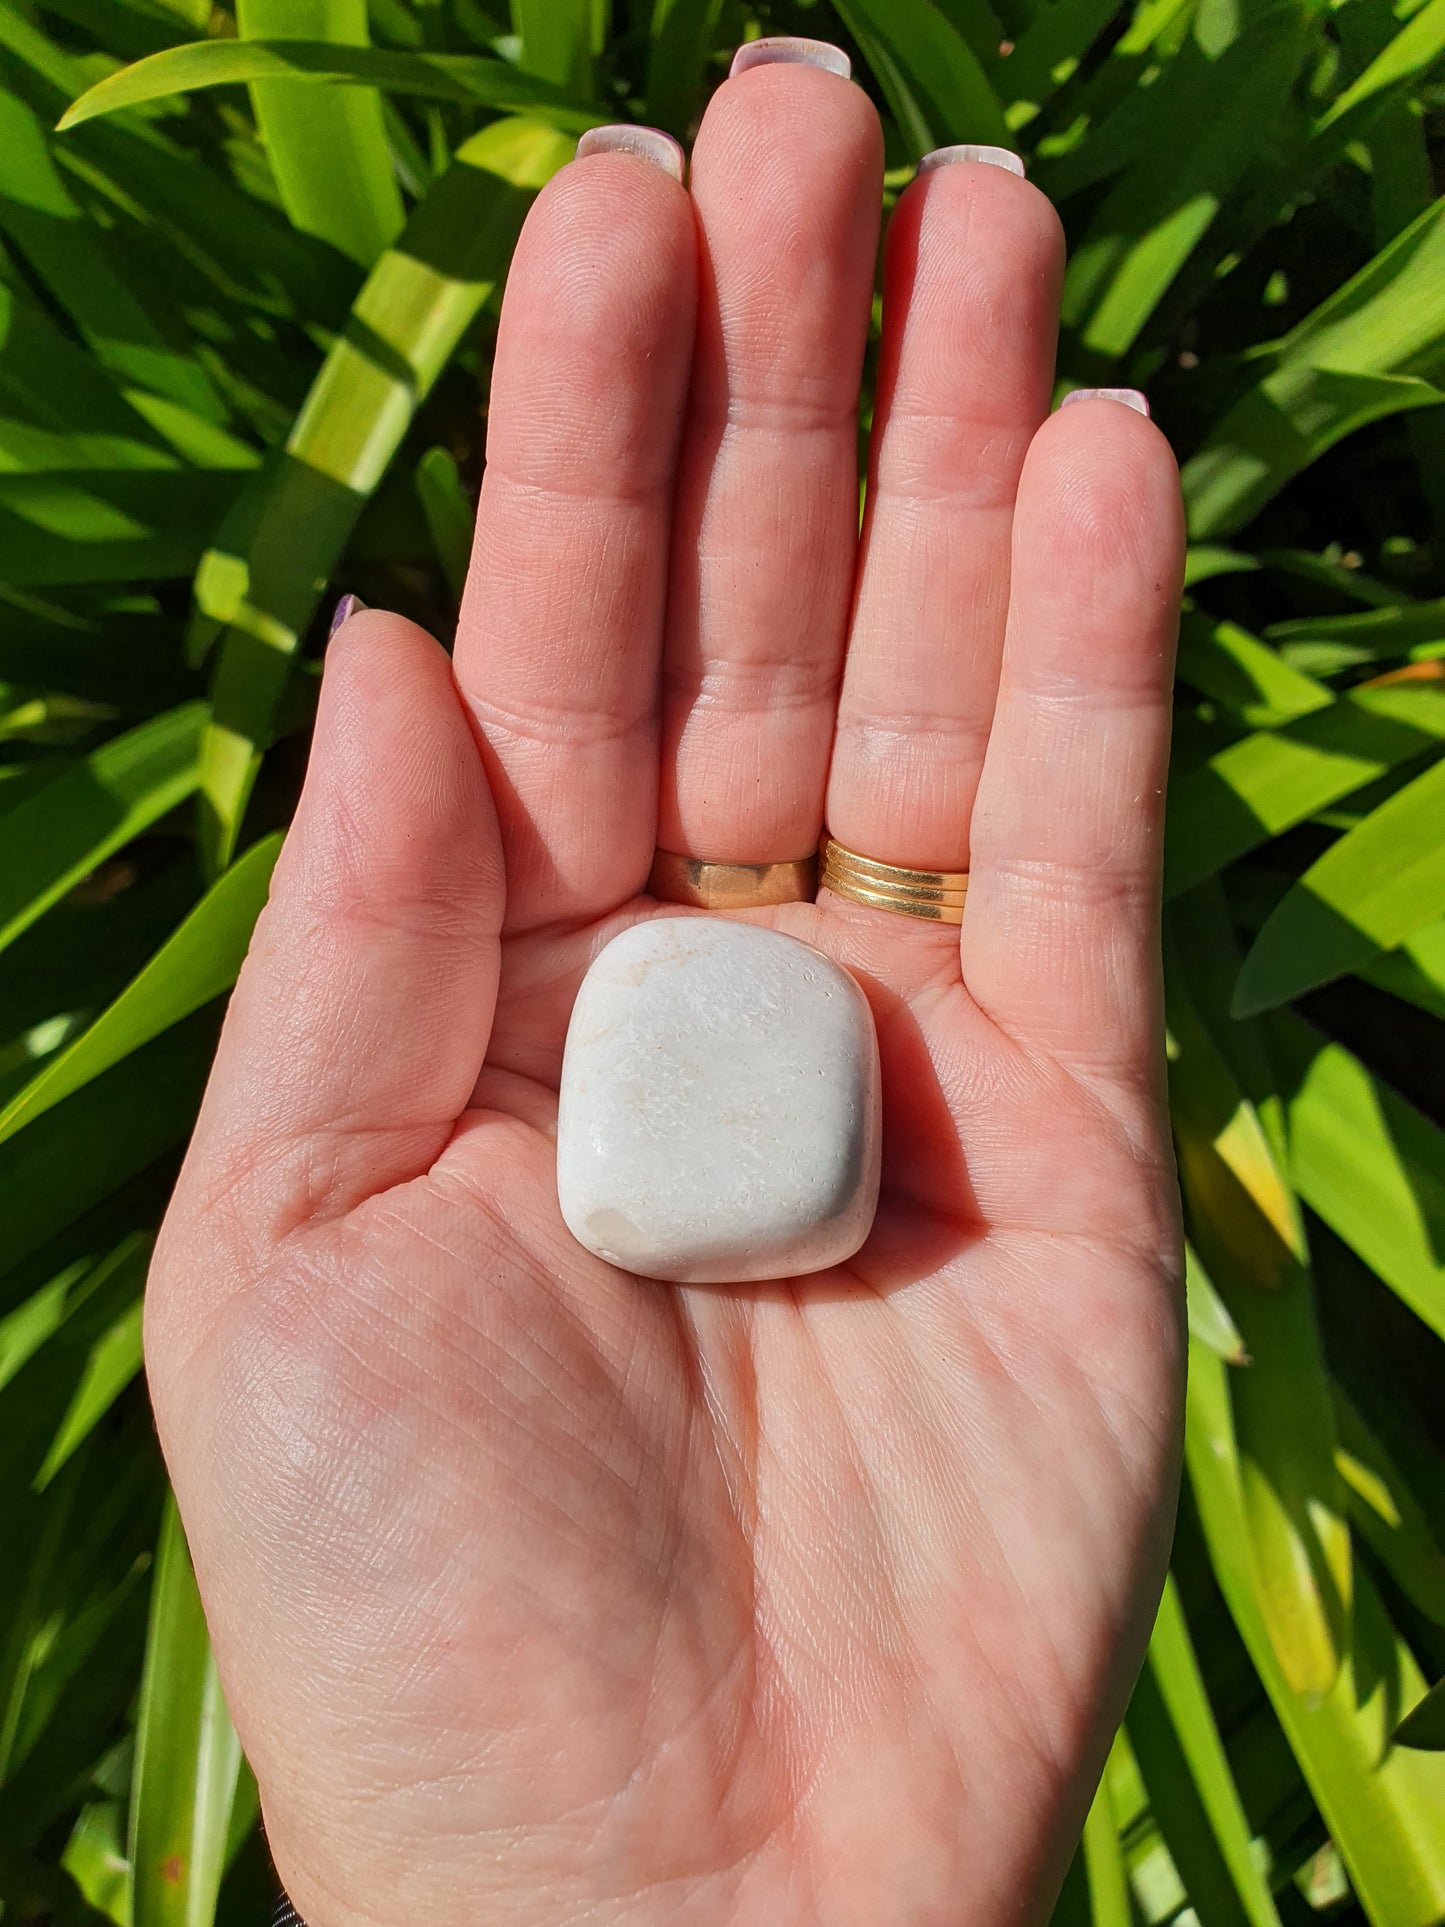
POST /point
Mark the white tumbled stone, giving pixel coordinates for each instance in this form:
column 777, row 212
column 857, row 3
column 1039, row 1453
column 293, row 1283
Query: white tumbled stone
column 719, row 1109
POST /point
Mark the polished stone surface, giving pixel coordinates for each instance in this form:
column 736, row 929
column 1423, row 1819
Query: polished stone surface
column 719, row 1111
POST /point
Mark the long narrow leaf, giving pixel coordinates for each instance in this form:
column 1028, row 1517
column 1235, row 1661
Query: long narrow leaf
column 1104, row 1861
column 1387, row 1514
column 1369, row 1164
column 556, row 37
column 1367, row 893
column 1191, row 1788
column 933, row 78
column 1245, row 1222
column 327, row 148
column 187, row 1755
column 1370, row 350
column 1269, row 781
column 196, row 964
column 263, row 577
column 1380, row 1801
column 50, row 842
column 466, row 78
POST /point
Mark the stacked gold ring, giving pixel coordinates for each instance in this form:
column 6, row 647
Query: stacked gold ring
column 937, row 895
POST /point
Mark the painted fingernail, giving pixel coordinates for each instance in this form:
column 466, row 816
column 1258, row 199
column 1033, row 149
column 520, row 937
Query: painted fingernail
column 348, row 606
column 647, row 143
column 990, row 157
column 1130, row 397
column 789, row 49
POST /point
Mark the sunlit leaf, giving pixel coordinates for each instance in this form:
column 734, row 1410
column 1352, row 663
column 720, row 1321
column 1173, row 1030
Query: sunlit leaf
column 196, row 964
column 265, row 573
column 52, row 840
column 1372, row 349
column 1367, row 893
column 187, row 1754
column 333, row 69
column 1424, row 1725
column 1369, row 1164
column 930, row 76
column 1270, row 780
column 1245, row 1223
column 1380, row 1802
column 1186, row 1771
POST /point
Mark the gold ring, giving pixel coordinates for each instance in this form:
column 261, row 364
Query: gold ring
column 711, row 885
column 937, row 895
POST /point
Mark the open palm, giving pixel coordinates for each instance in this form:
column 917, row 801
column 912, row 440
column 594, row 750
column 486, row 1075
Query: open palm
column 542, row 1592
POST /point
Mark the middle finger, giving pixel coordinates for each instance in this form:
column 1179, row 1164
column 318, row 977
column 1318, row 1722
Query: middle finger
column 786, row 181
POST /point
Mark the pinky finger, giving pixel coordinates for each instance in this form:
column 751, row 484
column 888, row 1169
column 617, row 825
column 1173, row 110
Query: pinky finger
column 1061, row 934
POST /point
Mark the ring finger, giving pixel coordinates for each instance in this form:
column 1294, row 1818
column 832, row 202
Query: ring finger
column 972, row 273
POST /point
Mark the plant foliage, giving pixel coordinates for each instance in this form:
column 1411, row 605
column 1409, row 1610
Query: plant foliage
column 247, row 296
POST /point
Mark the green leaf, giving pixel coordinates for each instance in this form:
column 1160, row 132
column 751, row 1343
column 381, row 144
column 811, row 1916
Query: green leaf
column 681, row 38
column 187, row 1755
column 1048, row 54
column 556, row 37
column 1367, row 893
column 327, row 148
column 1371, row 349
column 1104, row 1860
column 1409, row 56
column 1380, row 1802
column 114, row 1362
column 1416, row 971
column 264, row 575
column 1209, row 1319
column 1265, row 783
column 449, row 516
column 930, row 76
column 1187, row 1775
column 1204, row 139
column 1424, row 1725
column 41, row 216
column 51, row 841
column 1245, row 1222
column 334, row 71
column 76, row 1155
column 1222, row 660
column 1387, row 1514
column 1367, row 1163
column 1417, row 630
column 195, row 965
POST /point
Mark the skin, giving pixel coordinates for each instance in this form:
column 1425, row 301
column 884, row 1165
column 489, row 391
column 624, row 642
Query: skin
column 544, row 1593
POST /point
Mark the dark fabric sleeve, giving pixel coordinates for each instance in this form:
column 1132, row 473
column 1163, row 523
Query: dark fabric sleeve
column 286, row 1915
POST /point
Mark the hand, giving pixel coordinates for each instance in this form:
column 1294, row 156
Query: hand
column 545, row 1593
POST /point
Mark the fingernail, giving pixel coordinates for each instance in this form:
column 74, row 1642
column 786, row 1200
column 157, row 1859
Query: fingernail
column 1130, row 397
column 990, row 156
column 788, row 48
column 348, row 606
column 647, row 143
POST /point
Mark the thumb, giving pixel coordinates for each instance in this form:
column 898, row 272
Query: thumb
column 360, row 1020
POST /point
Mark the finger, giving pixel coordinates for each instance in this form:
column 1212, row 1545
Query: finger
column 557, row 648
column 971, row 296
column 1060, row 939
column 786, row 178
column 360, row 1020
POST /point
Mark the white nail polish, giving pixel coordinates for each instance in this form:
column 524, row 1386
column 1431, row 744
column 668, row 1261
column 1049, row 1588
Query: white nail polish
column 989, row 156
column 1130, row 397
column 789, row 49
column 647, row 143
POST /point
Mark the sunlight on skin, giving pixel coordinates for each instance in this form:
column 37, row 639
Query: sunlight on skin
column 541, row 1592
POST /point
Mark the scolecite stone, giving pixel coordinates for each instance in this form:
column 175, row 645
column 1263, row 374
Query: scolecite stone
column 719, row 1112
